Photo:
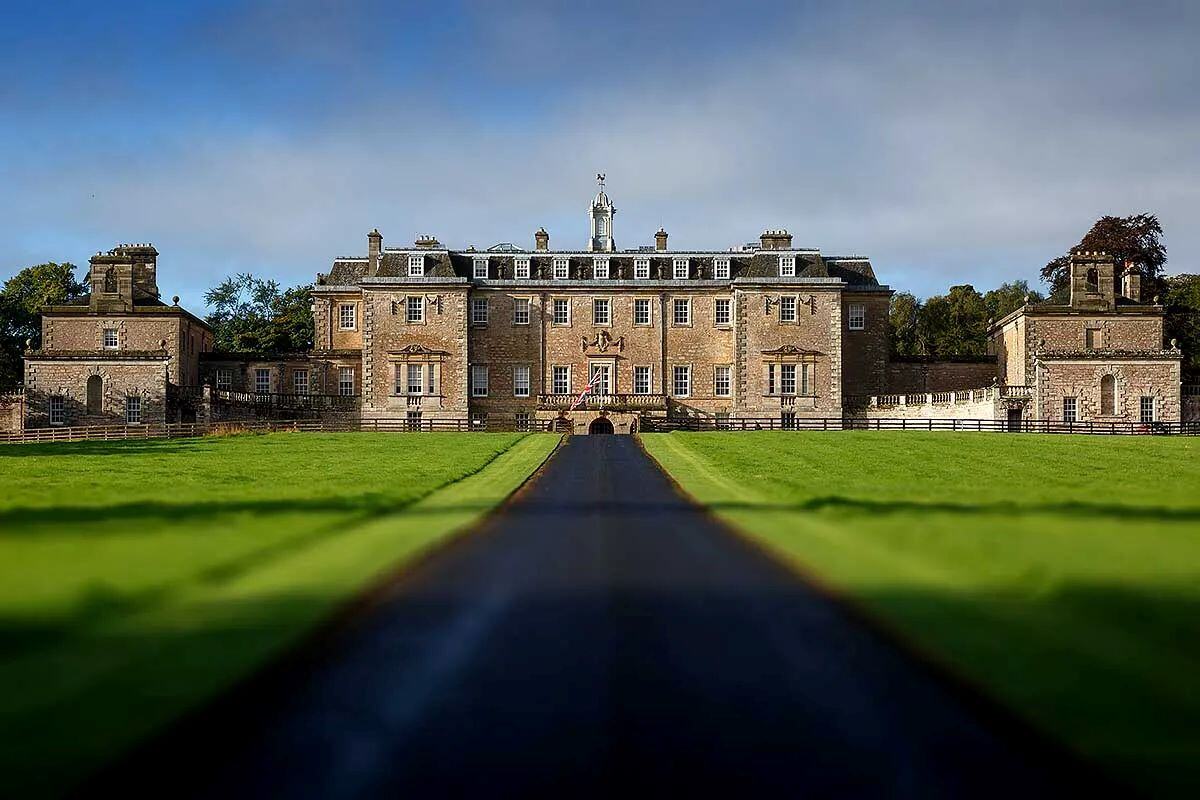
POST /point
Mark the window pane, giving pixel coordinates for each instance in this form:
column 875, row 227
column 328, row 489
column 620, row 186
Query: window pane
column 682, row 384
column 521, row 381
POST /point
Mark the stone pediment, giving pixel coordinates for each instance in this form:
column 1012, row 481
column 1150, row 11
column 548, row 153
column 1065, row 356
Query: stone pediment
column 791, row 350
column 411, row 350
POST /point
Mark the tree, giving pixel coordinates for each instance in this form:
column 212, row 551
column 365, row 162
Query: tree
column 1136, row 238
column 21, row 300
column 1181, row 297
column 252, row 314
column 1008, row 297
column 904, row 318
column 954, row 324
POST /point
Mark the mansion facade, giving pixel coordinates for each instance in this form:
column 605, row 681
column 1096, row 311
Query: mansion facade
column 601, row 337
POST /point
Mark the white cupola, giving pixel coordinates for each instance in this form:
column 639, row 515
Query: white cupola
column 600, row 221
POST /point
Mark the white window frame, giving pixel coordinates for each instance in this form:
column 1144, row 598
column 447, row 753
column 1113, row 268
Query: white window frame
column 687, row 308
column 478, row 303
column 791, row 303
column 522, row 304
column 224, row 378
column 479, row 267
column 554, row 306
column 133, row 409
column 300, row 386
column 259, row 372
column 687, row 380
column 565, row 385
column 1071, row 403
column 479, row 380
column 639, row 301
column 719, row 382
column 414, row 310
column 787, row 266
column 116, row 339
column 728, row 304
column 1153, row 416
column 562, row 268
column 57, row 409
column 641, row 269
column 648, row 372
column 787, row 380
column 721, row 268
column 680, row 269
column 416, row 266
column 521, row 268
column 518, row 371
column 600, row 265
column 856, row 316
column 606, row 304
column 416, row 371
column 342, row 326
column 346, row 387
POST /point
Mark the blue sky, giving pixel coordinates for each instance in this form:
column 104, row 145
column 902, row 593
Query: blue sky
column 952, row 142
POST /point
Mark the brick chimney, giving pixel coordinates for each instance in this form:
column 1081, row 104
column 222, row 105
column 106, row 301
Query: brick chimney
column 374, row 248
column 778, row 239
column 427, row 241
column 660, row 240
column 541, row 240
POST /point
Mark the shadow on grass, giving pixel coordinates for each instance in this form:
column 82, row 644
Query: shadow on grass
column 664, row 688
column 29, row 520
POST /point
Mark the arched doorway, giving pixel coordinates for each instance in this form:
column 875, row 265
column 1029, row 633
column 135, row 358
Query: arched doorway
column 1108, row 395
column 95, row 395
column 600, row 425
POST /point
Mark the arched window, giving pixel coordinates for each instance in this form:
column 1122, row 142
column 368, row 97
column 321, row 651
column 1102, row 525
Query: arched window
column 1108, row 395
column 95, row 395
column 600, row 224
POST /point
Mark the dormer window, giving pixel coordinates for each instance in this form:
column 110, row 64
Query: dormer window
column 562, row 268
column 481, row 267
column 416, row 266
column 600, row 268
column 787, row 266
column 521, row 267
column 641, row 269
column 721, row 268
column 680, row 269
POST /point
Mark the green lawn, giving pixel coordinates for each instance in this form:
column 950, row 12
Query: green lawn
column 1062, row 573
column 139, row 578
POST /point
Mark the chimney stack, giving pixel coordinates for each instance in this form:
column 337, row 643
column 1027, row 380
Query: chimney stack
column 660, row 241
column 542, row 240
column 374, row 248
column 778, row 239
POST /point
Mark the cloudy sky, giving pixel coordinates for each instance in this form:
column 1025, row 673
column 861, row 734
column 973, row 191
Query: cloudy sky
column 952, row 142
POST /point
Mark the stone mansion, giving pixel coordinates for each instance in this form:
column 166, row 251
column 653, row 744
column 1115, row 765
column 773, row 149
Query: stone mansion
column 602, row 337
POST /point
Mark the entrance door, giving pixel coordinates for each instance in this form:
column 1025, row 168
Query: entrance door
column 602, row 378
column 600, row 425
column 1014, row 420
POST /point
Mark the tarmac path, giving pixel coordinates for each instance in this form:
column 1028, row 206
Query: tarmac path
column 602, row 636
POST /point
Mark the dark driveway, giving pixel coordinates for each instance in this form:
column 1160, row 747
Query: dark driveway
column 600, row 637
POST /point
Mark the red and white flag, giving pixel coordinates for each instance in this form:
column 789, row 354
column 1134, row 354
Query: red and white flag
column 586, row 390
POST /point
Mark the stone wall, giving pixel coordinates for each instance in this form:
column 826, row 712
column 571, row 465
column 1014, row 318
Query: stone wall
column 45, row 378
column 919, row 375
column 140, row 331
column 12, row 412
column 389, row 341
column 327, row 331
column 1190, row 404
column 1081, row 379
column 866, row 351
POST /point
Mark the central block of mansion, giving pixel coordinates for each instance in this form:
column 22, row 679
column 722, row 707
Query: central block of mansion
column 516, row 336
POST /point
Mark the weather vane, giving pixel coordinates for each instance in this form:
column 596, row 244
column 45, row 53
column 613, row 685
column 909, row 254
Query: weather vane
column 600, row 179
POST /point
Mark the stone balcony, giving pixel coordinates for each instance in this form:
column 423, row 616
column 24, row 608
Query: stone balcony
column 607, row 402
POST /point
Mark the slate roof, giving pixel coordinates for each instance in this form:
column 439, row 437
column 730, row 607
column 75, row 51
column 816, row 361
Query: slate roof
column 460, row 264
